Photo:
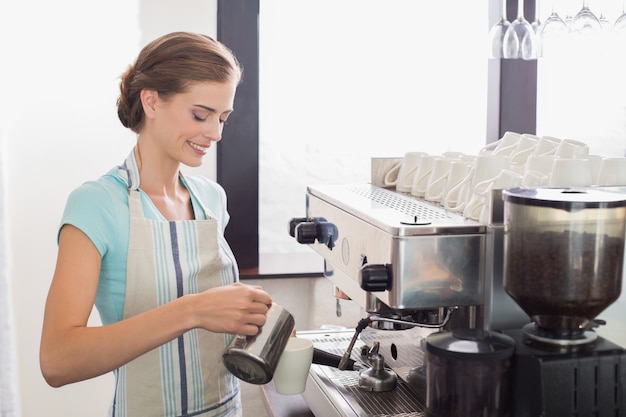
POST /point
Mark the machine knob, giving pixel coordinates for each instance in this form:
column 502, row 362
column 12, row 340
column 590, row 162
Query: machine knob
column 293, row 223
column 307, row 232
column 375, row 277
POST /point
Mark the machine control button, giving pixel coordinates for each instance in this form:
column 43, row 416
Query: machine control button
column 293, row 223
column 306, row 233
column 375, row 277
column 316, row 229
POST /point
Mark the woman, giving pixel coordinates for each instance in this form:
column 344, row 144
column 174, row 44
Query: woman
column 145, row 244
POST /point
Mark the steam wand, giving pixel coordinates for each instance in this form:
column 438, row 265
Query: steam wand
column 363, row 323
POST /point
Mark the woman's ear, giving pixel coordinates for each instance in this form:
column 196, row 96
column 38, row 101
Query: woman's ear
column 149, row 100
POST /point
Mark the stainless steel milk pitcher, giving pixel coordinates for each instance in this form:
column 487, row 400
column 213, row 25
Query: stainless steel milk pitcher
column 253, row 359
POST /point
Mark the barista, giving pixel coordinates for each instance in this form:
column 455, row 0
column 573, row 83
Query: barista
column 145, row 244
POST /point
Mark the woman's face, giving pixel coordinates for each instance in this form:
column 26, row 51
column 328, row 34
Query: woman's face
column 186, row 124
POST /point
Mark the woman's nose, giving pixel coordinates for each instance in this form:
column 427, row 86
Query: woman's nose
column 213, row 130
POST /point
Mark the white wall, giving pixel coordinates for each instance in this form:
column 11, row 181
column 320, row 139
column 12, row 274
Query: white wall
column 371, row 83
column 59, row 74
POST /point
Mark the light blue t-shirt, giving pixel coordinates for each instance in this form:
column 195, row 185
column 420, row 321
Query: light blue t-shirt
column 100, row 210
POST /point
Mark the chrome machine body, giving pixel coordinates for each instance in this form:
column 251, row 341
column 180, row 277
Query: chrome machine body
column 397, row 255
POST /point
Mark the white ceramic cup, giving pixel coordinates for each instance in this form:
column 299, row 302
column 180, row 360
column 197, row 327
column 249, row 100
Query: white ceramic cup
column 546, row 145
column 293, row 366
column 571, row 173
column 438, row 178
column 595, row 162
column 410, row 165
column 453, row 154
column 540, row 163
column 458, row 170
column 535, row 179
column 570, row 147
column 457, row 195
column 503, row 146
column 468, row 158
column 525, row 147
column 420, row 181
column 612, row 172
column 384, row 171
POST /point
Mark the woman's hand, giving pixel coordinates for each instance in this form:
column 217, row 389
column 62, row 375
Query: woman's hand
column 237, row 309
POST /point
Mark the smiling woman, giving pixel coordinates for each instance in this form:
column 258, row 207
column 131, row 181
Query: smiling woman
column 145, row 244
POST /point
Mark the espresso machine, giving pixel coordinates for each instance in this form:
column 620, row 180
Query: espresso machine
column 418, row 270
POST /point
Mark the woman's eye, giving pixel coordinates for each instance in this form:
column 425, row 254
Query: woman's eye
column 198, row 117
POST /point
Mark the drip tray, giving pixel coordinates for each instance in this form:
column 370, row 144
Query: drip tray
column 332, row 392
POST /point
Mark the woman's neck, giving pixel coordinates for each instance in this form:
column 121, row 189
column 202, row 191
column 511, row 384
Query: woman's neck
column 161, row 182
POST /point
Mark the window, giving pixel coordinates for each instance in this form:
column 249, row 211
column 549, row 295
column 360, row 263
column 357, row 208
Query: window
column 344, row 81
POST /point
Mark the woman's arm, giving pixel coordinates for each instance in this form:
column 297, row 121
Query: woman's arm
column 70, row 351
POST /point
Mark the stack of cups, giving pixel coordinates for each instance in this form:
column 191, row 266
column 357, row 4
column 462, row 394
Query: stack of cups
column 432, row 175
column 568, row 171
column 503, row 146
column 468, row 193
column 539, row 163
column 523, row 149
column 463, row 183
column 490, row 172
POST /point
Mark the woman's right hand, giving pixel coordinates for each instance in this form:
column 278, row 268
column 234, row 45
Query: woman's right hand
column 236, row 309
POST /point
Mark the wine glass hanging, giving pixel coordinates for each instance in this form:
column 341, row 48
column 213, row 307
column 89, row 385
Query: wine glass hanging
column 551, row 33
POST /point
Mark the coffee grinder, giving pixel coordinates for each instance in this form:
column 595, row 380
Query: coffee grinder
column 563, row 261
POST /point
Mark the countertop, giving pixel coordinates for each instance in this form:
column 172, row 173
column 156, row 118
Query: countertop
column 284, row 405
column 264, row 401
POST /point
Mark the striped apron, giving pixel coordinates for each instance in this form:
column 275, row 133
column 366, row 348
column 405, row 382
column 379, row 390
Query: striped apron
column 166, row 260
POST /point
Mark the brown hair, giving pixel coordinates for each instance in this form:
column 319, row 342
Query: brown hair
column 169, row 65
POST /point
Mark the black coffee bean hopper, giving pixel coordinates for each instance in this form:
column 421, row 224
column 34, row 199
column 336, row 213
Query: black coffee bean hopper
column 563, row 261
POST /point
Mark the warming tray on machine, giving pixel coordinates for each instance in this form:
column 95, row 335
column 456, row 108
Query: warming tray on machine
column 399, row 214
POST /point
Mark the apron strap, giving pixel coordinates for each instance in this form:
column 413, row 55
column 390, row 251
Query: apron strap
column 129, row 171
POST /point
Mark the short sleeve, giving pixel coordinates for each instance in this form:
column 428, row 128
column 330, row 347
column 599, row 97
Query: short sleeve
column 91, row 209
